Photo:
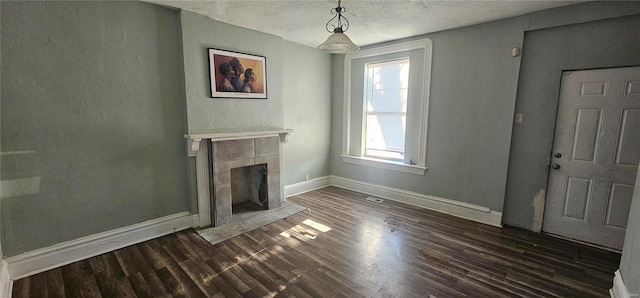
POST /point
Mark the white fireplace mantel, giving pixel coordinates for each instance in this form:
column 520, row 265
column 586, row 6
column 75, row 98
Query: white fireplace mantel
column 198, row 149
column 194, row 139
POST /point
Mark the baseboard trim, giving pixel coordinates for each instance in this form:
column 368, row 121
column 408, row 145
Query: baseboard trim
column 619, row 290
column 306, row 186
column 456, row 208
column 6, row 284
column 195, row 220
column 64, row 253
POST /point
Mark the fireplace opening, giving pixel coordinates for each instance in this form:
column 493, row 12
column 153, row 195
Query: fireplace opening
column 249, row 190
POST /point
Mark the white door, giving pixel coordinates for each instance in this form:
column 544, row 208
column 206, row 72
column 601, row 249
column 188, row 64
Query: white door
column 595, row 156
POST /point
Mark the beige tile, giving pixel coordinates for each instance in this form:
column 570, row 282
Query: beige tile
column 221, row 178
column 242, row 163
column 223, row 204
column 221, row 170
column 242, row 225
column 272, row 161
column 267, row 146
column 234, row 149
column 273, row 181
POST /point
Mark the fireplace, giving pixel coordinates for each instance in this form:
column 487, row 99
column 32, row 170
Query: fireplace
column 256, row 165
column 237, row 171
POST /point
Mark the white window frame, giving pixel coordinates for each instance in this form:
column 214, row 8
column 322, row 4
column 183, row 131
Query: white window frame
column 419, row 167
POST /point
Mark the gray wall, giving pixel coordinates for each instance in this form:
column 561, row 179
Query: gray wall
column 307, row 110
column 101, row 93
column 95, row 91
column 469, row 117
column 206, row 114
column 630, row 261
column 473, row 91
column 304, row 99
column 547, row 52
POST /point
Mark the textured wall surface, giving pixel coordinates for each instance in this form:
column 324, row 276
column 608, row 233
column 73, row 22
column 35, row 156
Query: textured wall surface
column 206, row 114
column 473, row 87
column 93, row 115
column 307, row 110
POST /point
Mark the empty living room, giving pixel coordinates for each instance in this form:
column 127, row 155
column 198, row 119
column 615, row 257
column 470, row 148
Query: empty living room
column 319, row 148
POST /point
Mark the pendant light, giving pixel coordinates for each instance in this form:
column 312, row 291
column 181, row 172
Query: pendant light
column 338, row 42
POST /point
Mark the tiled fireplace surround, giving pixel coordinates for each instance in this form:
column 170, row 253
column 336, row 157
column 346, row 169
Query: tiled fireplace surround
column 218, row 153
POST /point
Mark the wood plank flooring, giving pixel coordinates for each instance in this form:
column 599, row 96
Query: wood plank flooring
column 345, row 246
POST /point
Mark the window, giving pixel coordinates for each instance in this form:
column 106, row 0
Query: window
column 386, row 106
column 385, row 97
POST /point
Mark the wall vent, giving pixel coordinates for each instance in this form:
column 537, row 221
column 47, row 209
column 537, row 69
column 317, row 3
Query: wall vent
column 375, row 200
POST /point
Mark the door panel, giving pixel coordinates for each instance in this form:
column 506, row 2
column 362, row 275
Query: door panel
column 633, row 87
column 587, row 133
column 578, row 194
column 592, row 178
column 620, row 196
column 629, row 138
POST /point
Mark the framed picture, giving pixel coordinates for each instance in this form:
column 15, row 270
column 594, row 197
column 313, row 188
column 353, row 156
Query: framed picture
column 237, row 75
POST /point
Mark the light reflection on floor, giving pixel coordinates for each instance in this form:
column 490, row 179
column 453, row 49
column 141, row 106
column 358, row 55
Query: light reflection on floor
column 306, row 232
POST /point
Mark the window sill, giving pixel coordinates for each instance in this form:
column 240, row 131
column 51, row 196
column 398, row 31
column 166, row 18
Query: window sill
column 384, row 164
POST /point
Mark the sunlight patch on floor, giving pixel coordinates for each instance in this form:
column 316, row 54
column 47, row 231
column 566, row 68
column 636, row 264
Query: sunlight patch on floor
column 304, row 231
column 318, row 226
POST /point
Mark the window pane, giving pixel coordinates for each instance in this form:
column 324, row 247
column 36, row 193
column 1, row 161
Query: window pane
column 386, row 86
column 385, row 133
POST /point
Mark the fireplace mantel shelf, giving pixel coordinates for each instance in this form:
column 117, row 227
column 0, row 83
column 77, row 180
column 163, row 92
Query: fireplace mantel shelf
column 194, row 139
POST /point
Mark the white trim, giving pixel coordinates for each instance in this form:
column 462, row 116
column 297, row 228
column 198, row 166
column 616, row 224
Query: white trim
column 6, row 284
column 425, row 44
column 195, row 138
column 346, row 105
column 392, row 48
column 306, row 186
column 282, row 195
column 426, row 95
column 195, row 220
column 203, row 184
column 619, row 290
column 239, row 135
column 384, row 164
column 64, row 253
column 456, row 208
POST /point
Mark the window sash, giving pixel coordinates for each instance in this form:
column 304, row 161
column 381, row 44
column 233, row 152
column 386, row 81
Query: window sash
column 386, row 88
column 373, row 133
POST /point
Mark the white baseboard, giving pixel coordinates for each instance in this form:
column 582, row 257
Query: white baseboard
column 195, row 221
column 619, row 290
column 305, row 186
column 5, row 283
column 61, row 254
column 452, row 207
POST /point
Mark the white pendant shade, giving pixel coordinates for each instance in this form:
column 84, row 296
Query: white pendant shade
column 338, row 43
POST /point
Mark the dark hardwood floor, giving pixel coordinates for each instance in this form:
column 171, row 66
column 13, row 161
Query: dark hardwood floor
column 345, row 246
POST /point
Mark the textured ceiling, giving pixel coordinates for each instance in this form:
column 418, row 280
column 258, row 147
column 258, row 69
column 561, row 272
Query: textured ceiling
column 303, row 21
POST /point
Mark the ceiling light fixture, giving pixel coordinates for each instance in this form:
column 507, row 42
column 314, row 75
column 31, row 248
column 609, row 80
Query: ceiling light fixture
column 338, row 42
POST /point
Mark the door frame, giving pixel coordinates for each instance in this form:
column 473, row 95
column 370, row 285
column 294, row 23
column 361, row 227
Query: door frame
column 539, row 201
